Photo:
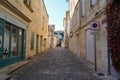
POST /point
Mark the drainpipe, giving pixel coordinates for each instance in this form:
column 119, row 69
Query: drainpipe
column 95, row 52
column 108, row 49
column 109, row 55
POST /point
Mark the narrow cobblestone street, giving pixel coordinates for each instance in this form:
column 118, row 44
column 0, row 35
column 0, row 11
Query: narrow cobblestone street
column 55, row 64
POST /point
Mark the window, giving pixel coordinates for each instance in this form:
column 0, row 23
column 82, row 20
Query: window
column 92, row 2
column 32, row 41
column 19, row 41
column 28, row 4
column 14, row 40
column 12, row 45
column 6, row 41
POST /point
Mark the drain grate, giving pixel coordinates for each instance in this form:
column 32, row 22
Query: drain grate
column 100, row 74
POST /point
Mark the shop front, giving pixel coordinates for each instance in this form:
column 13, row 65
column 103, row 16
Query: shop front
column 12, row 43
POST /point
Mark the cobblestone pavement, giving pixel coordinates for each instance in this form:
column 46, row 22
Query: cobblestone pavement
column 55, row 64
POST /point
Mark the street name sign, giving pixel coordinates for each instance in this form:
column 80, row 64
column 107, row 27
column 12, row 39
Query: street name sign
column 94, row 32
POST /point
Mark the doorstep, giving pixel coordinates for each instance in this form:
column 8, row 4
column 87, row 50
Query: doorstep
column 6, row 71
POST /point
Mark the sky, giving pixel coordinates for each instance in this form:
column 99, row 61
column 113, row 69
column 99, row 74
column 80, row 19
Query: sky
column 57, row 11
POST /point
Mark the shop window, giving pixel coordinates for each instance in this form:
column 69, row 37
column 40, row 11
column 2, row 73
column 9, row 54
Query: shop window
column 0, row 41
column 19, row 42
column 14, row 41
column 32, row 40
column 11, row 41
column 6, row 41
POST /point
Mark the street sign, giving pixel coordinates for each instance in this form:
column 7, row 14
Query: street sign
column 95, row 25
column 94, row 32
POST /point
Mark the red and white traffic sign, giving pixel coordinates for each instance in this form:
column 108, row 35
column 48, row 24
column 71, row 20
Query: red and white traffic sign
column 95, row 25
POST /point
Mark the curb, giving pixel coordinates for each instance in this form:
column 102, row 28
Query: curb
column 6, row 72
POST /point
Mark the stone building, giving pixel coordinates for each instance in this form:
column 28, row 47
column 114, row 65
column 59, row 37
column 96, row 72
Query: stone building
column 86, row 17
column 52, row 37
column 66, row 31
column 23, row 30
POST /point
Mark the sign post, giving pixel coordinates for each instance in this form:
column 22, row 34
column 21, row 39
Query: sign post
column 95, row 27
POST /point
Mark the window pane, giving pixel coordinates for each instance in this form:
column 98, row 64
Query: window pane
column 19, row 42
column 14, row 42
column 0, row 41
column 6, row 41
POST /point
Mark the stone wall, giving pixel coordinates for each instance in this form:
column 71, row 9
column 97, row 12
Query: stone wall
column 38, row 25
column 78, row 41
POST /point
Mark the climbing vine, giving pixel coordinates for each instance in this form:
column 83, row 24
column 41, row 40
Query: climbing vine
column 113, row 20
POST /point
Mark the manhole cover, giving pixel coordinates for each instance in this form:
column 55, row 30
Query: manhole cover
column 100, row 74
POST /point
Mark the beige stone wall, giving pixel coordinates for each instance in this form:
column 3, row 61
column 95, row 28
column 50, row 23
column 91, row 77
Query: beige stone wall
column 76, row 43
column 66, row 29
column 52, row 37
column 96, row 13
column 55, row 42
column 38, row 25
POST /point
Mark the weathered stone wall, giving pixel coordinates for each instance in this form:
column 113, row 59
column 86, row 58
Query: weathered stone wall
column 38, row 25
column 94, row 13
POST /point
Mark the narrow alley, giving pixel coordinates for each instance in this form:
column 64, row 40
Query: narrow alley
column 55, row 64
column 59, row 39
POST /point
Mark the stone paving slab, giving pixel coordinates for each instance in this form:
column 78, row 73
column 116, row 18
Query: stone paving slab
column 6, row 71
column 55, row 64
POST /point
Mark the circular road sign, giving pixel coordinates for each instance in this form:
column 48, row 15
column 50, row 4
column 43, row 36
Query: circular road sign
column 94, row 25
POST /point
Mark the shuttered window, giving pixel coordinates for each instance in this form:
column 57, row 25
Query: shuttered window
column 32, row 41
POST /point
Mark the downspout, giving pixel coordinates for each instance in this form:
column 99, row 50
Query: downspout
column 108, row 49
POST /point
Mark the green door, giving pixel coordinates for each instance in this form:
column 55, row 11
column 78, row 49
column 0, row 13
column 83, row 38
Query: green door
column 1, row 38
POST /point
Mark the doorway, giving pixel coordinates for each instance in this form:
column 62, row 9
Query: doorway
column 41, row 43
column 44, row 44
column 90, row 46
column 12, row 43
column 37, row 39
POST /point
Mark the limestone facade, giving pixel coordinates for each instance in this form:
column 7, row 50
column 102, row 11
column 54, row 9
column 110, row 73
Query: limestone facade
column 81, row 40
column 52, row 37
column 66, row 31
column 33, row 17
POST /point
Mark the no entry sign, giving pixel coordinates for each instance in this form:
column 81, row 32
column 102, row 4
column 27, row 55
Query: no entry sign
column 95, row 25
